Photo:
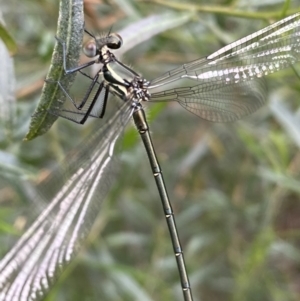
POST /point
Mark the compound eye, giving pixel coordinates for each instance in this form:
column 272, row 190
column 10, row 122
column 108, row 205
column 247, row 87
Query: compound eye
column 90, row 48
column 114, row 41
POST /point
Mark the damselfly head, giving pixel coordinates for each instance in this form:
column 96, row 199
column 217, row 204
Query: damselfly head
column 114, row 41
column 90, row 48
column 93, row 46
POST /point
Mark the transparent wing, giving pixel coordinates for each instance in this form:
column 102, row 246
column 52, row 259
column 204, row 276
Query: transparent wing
column 231, row 70
column 30, row 267
column 224, row 103
column 265, row 51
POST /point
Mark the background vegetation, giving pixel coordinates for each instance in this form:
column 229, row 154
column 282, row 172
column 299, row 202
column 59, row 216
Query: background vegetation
column 234, row 187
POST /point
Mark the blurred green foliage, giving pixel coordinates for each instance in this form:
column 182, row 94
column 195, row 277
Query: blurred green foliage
column 234, row 187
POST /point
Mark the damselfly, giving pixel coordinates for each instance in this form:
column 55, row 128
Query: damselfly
column 227, row 86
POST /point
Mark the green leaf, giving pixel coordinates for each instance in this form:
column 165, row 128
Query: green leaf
column 70, row 30
column 8, row 40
